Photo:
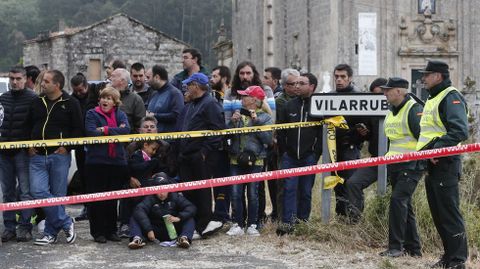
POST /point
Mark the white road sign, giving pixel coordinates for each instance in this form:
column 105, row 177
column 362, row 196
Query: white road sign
column 351, row 104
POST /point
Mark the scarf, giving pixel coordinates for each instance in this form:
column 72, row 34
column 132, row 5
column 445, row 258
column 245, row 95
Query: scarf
column 111, row 122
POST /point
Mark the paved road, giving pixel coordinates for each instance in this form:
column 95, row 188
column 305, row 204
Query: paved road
column 221, row 251
column 87, row 254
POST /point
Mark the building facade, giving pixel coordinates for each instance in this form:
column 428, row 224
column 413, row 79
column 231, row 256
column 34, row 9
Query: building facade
column 90, row 49
column 376, row 37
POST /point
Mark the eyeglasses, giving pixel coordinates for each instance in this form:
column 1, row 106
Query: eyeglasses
column 301, row 83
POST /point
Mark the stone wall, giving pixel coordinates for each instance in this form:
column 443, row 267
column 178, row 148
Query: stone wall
column 119, row 37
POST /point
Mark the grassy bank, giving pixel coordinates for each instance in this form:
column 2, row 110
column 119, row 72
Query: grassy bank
column 372, row 231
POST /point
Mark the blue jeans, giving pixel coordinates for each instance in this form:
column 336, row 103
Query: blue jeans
column 49, row 178
column 238, row 195
column 13, row 168
column 297, row 191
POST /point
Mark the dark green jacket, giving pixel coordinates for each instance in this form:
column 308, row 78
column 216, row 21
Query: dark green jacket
column 179, row 77
column 414, row 116
column 453, row 113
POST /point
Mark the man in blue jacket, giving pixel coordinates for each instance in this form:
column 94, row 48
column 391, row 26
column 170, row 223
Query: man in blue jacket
column 166, row 101
column 203, row 112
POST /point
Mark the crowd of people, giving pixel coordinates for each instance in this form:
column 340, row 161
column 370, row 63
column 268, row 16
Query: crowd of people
column 148, row 100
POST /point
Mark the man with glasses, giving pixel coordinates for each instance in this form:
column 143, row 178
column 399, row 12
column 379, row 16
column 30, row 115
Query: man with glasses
column 14, row 162
column 288, row 79
column 192, row 63
column 302, row 147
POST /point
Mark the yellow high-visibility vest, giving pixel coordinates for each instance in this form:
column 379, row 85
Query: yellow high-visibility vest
column 431, row 124
column 398, row 132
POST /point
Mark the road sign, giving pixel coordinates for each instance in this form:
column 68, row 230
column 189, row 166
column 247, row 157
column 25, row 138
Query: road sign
column 348, row 104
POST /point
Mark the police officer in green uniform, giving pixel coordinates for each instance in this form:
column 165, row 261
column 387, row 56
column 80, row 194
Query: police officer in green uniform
column 402, row 128
column 444, row 124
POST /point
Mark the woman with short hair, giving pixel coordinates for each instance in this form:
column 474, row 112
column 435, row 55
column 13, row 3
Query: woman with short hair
column 105, row 164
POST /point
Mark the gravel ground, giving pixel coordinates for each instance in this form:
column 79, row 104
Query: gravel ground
column 220, row 251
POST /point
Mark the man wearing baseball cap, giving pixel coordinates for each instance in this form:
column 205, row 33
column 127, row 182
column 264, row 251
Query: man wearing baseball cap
column 444, row 124
column 402, row 129
column 203, row 112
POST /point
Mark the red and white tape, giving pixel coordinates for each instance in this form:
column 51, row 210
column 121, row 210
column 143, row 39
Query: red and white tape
column 216, row 182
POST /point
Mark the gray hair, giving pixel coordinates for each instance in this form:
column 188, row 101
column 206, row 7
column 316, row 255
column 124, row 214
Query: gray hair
column 124, row 74
column 287, row 72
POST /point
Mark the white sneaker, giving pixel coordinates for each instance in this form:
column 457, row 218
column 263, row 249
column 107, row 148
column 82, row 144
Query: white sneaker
column 41, row 227
column 70, row 234
column 235, row 230
column 212, row 227
column 45, row 240
column 252, row 230
column 196, row 236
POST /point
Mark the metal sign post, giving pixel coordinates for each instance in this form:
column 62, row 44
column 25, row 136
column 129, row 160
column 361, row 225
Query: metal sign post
column 351, row 104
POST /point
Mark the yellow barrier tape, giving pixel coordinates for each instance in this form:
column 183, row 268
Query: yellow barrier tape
column 330, row 182
column 338, row 121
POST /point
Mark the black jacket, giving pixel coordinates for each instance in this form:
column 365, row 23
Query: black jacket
column 141, row 169
column 298, row 143
column 203, row 113
column 351, row 138
column 16, row 105
column 61, row 118
column 151, row 210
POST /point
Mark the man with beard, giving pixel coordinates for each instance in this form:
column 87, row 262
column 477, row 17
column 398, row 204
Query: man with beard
column 192, row 63
column 219, row 82
column 349, row 142
column 246, row 75
column 166, row 101
column 137, row 74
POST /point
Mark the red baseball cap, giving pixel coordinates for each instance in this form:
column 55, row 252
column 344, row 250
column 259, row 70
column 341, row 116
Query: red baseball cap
column 254, row 91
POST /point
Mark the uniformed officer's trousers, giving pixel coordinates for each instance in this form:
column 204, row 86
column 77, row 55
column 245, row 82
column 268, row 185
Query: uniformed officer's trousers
column 441, row 185
column 402, row 232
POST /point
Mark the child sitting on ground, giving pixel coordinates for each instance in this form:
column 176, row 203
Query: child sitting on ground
column 141, row 165
column 148, row 217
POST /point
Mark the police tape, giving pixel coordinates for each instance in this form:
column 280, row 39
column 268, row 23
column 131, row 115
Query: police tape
column 231, row 180
column 338, row 121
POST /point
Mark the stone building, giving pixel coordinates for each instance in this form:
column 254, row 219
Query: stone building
column 376, row 37
column 90, row 49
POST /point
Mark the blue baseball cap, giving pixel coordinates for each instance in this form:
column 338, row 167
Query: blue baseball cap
column 200, row 78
